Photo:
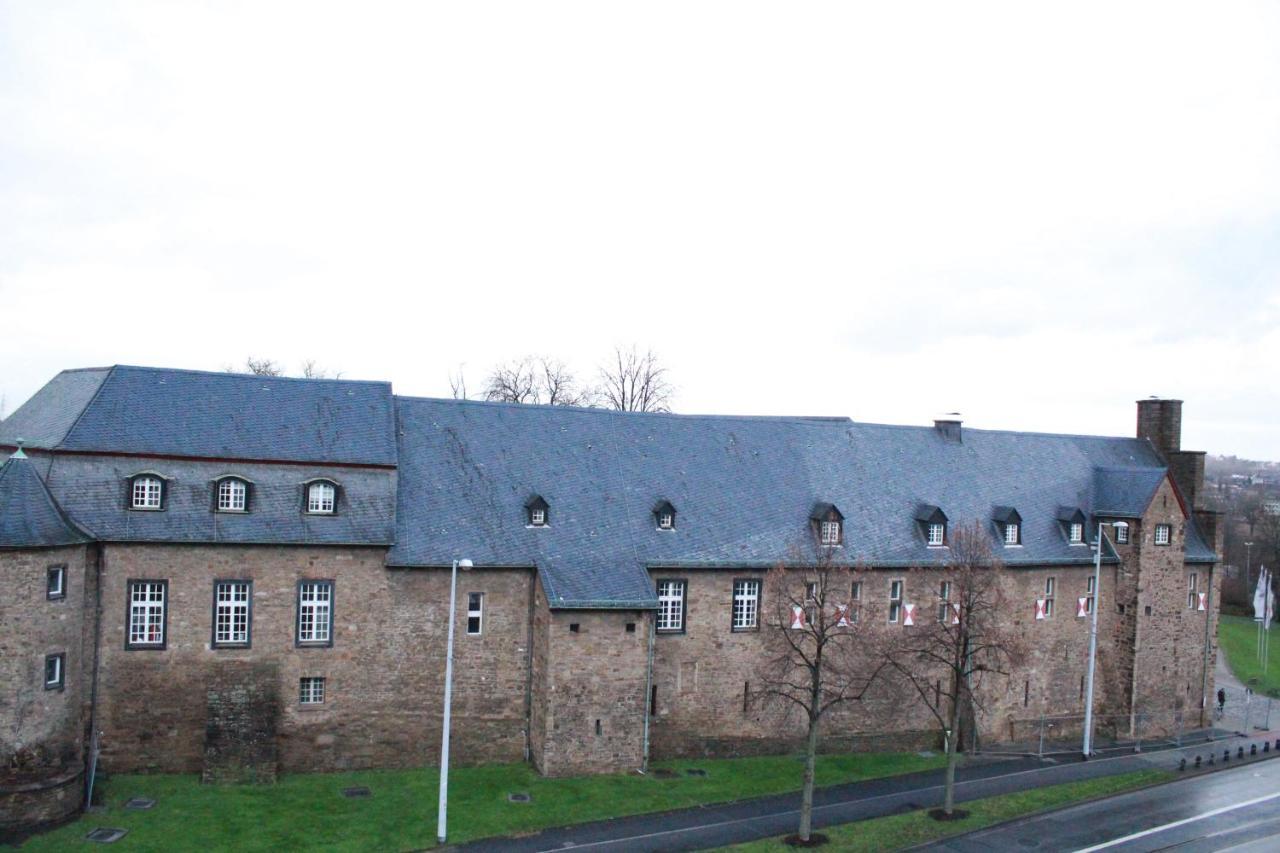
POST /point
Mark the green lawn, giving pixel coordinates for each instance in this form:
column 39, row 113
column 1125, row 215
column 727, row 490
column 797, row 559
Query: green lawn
column 1238, row 636
column 307, row 811
column 904, row 830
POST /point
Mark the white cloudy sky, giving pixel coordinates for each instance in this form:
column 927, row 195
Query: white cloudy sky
column 1030, row 214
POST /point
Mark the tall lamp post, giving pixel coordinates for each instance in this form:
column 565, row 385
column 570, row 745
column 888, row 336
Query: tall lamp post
column 1087, row 749
column 448, row 703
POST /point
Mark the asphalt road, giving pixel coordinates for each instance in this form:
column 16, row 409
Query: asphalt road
column 1237, row 809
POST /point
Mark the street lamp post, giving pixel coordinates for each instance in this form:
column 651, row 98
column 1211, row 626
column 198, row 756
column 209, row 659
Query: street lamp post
column 1087, row 749
column 441, row 817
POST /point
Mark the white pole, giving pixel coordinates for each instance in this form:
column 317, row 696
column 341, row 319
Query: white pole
column 448, row 699
column 1093, row 647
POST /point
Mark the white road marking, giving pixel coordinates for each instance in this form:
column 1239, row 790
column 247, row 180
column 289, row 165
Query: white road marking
column 1177, row 823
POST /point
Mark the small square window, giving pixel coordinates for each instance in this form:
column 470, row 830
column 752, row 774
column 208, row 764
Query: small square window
column 1122, row 534
column 233, row 495
column 311, row 690
column 937, row 534
column 55, row 674
column 56, row 583
column 146, row 492
column 1011, row 533
column 666, row 521
column 830, row 532
column 322, row 498
column 475, row 612
column 1163, row 534
column 538, row 517
column 1076, row 533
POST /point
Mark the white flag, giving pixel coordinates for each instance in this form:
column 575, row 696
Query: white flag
column 1260, row 596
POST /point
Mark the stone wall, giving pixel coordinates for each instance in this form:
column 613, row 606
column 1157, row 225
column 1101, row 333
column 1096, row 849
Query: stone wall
column 384, row 672
column 242, row 715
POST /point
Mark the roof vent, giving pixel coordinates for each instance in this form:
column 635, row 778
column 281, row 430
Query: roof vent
column 18, row 454
column 948, row 426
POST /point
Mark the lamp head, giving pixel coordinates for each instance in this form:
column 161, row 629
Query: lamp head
column 1118, row 525
column 464, row 564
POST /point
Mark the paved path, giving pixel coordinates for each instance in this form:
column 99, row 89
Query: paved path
column 714, row 826
column 1236, row 809
column 1222, row 674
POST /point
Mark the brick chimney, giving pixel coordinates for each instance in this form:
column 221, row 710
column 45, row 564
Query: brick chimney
column 1160, row 422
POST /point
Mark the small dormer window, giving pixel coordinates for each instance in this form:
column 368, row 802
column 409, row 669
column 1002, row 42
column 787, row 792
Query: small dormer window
column 933, row 523
column 828, row 525
column 1075, row 534
column 322, row 497
column 830, row 533
column 146, row 491
column 233, row 495
column 937, row 534
column 537, row 512
column 665, row 514
column 1072, row 520
column 1011, row 533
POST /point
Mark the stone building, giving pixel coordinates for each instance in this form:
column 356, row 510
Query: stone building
column 240, row 575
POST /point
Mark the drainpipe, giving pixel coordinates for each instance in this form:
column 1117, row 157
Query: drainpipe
column 1204, row 670
column 648, row 695
column 528, row 676
column 91, row 759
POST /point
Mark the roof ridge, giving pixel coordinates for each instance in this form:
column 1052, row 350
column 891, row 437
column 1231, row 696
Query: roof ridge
column 593, row 410
column 248, row 376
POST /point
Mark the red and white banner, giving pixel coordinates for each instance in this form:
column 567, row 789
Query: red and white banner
column 1082, row 607
column 908, row 614
column 1202, row 596
column 955, row 614
column 1039, row 608
column 842, row 616
column 798, row 618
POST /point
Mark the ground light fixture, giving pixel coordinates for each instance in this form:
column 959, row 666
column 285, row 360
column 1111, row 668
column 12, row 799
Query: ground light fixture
column 441, row 819
column 1087, row 749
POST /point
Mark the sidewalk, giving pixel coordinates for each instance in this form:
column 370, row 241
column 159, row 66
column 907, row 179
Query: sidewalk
column 767, row 817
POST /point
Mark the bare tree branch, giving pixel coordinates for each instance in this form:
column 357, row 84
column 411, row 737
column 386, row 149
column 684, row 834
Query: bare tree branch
column 632, row 382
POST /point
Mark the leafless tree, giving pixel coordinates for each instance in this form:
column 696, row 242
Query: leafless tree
column 458, row 383
column 257, row 367
column 536, row 379
column 635, row 382
column 311, row 370
column 964, row 636
column 813, row 658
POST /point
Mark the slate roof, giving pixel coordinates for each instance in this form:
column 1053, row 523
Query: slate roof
column 159, row 411
column 744, row 488
column 29, row 516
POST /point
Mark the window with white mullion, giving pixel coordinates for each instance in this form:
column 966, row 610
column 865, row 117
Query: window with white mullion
column 321, row 498
column 830, row 533
column 146, row 614
column 315, row 612
column 895, row 600
column 232, row 495
column 1011, row 534
column 944, row 600
column 311, row 690
column 937, row 534
column 146, row 493
column 231, row 613
column 671, row 606
column 746, row 604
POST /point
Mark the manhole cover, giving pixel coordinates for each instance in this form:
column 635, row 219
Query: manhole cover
column 106, row 836
column 356, row 793
column 139, row 803
column 664, row 773
column 694, row 771
column 519, row 798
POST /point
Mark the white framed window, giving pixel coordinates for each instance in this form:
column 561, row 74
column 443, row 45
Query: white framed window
column 311, row 690
column 944, row 602
column 666, row 520
column 1076, row 533
column 1090, row 592
column 671, row 605
column 1193, row 590
column 55, row 671
column 56, row 583
column 538, row 517
column 1163, row 534
column 475, row 613
column 315, row 613
column 147, row 614
column 1122, row 535
column 233, row 495
column 746, row 605
column 1011, row 533
column 147, row 492
column 895, row 600
column 231, row 603
column 937, row 534
column 321, row 498
column 855, row 600
column 1050, row 584
column 830, row 532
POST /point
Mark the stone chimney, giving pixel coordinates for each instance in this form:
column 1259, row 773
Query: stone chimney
column 948, row 426
column 1160, row 422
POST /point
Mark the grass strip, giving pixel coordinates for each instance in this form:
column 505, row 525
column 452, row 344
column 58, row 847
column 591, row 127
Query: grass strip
column 308, row 811
column 906, row 830
column 1238, row 636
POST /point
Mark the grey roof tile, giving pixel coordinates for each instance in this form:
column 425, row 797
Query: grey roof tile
column 29, row 516
column 44, row 420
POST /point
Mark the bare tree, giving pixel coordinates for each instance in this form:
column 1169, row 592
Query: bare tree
column 311, row 370
column 513, row 382
column 813, row 660
column 633, row 382
column 257, row 367
column 536, row 379
column 965, row 636
column 458, row 383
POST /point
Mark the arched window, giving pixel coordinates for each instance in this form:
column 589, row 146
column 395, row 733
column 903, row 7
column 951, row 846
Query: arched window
column 146, row 491
column 233, row 495
column 322, row 497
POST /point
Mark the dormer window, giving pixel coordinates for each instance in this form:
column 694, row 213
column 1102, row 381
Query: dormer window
column 828, row 524
column 1072, row 521
column 233, row 495
column 933, row 524
column 537, row 512
column 1009, row 524
column 146, row 491
column 322, row 497
column 665, row 514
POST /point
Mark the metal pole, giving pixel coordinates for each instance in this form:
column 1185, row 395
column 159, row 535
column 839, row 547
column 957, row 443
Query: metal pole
column 448, row 700
column 1093, row 647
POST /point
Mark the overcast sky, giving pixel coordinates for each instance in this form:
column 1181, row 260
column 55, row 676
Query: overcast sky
column 1032, row 216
